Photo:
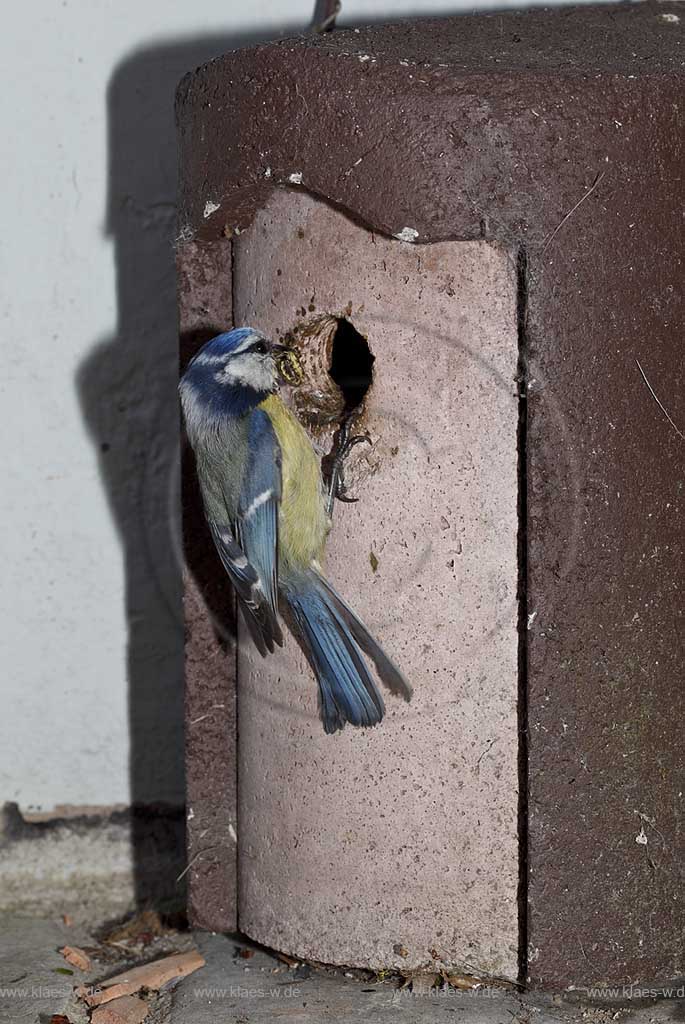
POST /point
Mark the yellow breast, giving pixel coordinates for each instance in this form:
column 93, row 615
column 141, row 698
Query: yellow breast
column 303, row 523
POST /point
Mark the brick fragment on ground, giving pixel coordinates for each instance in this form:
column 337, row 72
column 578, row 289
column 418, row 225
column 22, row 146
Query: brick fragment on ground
column 76, row 957
column 151, row 976
column 124, row 1010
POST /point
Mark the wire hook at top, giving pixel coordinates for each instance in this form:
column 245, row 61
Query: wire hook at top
column 325, row 13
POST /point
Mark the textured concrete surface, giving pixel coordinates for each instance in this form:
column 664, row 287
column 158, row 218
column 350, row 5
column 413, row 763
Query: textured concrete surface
column 234, row 991
column 36, row 982
column 231, row 989
column 90, row 867
column 237, row 989
column 396, row 846
column 30, row 982
column 205, row 309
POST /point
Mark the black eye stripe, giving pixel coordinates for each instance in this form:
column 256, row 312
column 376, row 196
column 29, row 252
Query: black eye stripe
column 260, row 347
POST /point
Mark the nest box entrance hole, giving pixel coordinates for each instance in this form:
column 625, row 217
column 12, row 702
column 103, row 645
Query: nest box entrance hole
column 351, row 365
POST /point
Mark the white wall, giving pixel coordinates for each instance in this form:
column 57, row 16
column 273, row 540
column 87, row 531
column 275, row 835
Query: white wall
column 89, row 592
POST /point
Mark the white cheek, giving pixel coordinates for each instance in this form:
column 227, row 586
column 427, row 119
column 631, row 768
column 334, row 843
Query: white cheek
column 251, row 373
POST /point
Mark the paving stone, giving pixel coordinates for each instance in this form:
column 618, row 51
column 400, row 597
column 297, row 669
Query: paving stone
column 231, row 989
column 238, row 991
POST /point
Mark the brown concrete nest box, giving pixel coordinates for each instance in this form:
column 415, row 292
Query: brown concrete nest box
column 488, row 208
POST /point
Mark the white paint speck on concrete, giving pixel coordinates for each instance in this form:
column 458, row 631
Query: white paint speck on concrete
column 407, row 235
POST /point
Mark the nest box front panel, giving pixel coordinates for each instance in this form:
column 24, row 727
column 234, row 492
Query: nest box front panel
column 395, row 846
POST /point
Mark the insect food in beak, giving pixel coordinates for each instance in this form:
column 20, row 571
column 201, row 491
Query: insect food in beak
column 290, row 368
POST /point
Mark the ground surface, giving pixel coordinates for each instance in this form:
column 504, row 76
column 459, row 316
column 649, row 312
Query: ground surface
column 242, row 984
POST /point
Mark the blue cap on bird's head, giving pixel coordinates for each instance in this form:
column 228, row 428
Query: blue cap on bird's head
column 229, row 343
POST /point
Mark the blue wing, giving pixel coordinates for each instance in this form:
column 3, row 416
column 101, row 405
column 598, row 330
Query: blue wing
column 248, row 587
column 249, row 550
column 260, row 496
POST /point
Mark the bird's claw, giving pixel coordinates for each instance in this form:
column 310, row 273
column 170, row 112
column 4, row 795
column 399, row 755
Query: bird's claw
column 346, row 444
column 349, row 444
column 341, row 489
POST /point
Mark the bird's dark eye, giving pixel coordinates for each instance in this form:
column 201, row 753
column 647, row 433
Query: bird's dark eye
column 260, row 347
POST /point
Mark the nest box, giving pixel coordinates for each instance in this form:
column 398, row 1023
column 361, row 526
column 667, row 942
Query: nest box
column 470, row 229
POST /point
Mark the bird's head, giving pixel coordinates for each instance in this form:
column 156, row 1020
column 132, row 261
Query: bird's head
column 231, row 374
column 241, row 358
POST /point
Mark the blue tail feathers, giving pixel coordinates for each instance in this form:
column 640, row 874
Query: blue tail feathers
column 346, row 688
column 333, row 639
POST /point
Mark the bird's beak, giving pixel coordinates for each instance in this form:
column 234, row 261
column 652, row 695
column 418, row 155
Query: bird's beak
column 288, row 365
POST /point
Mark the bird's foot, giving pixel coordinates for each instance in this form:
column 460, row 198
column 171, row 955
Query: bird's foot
column 344, row 445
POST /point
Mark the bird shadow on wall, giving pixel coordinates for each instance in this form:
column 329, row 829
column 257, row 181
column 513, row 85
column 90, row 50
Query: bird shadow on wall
column 127, row 387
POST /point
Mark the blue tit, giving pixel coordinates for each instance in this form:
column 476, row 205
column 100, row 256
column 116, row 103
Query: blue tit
column 266, row 505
